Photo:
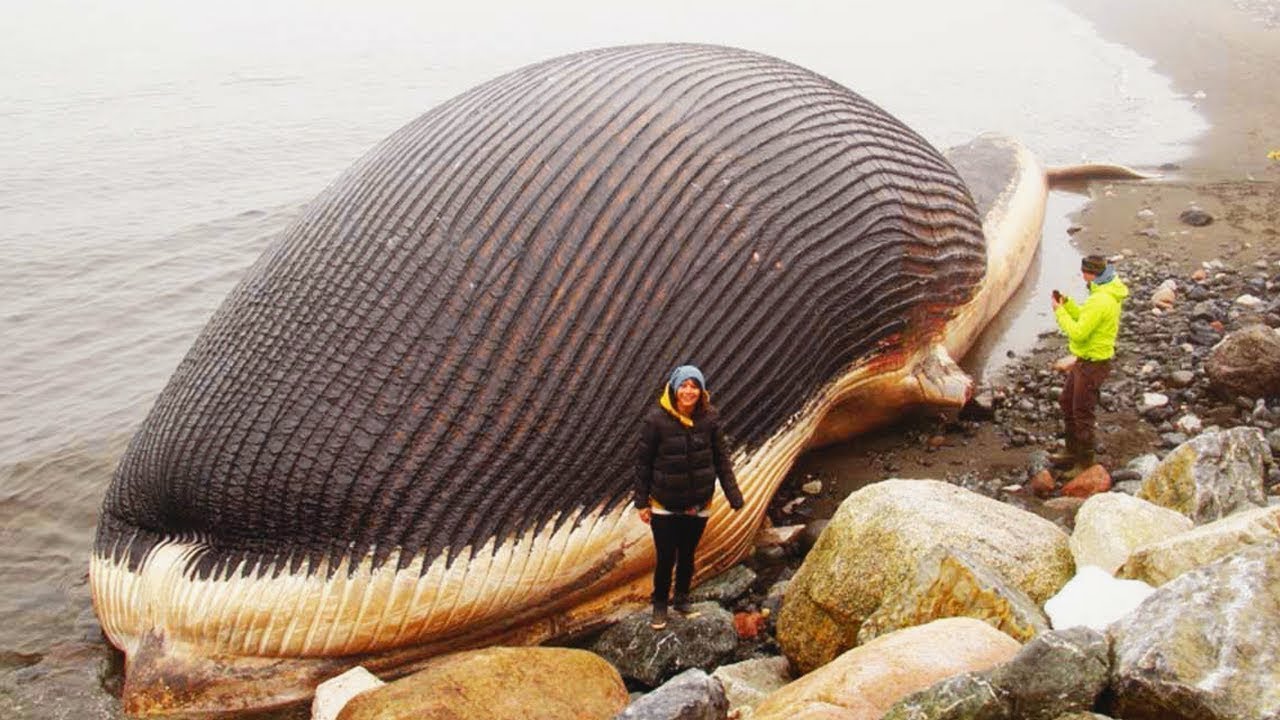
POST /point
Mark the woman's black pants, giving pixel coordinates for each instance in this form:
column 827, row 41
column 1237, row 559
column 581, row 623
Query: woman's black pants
column 675, row 537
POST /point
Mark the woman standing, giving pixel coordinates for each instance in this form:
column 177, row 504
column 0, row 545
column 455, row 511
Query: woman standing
column 681, row 453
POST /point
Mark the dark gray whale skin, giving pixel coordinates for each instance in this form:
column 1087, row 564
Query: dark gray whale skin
column 455, row 341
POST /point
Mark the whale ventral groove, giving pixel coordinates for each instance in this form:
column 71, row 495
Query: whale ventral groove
column 454, row 343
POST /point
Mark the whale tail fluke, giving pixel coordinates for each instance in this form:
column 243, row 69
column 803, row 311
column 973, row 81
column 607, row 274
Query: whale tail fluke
column 1067, row 174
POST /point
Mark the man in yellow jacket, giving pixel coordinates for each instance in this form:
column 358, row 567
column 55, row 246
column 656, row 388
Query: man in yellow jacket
column 1091, row 330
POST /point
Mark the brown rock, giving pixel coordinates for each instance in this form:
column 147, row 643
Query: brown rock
column 1246, row 362
column 1200, row 275
column 784, row 536
column 1090, row 482
column 748, row 624
column 865, row 682
column 499, row 682
column 1042, row 484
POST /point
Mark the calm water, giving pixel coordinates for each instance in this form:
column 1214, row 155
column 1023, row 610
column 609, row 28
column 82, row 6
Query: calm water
column 150, row 150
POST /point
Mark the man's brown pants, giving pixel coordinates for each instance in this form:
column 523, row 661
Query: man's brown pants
column 1079, row 399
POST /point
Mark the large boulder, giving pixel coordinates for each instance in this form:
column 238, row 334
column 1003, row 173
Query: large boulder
column 1246, row 362
column 1212, row 476
column 1110, row 526
column 951, row 583
column 499, row 682
column 691, row 695
column 863, row 683
column 1205, row 646
column 651, row 656
column 1162, row 561
column 875, row 542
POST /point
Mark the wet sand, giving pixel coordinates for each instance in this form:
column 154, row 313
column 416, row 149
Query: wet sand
column 1224, row 54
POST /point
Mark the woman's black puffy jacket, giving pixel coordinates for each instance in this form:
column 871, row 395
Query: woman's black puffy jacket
column 678, row 465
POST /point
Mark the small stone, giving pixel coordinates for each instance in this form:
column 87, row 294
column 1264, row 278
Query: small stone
column 1249, row 301
column 1173, row 439
column 1090, row 482
column 333, row 694
column 1188, row 425
column 1042, row 484
column 1200, row 275
column 1165, row 295
column 1195, row 217
column 749, row 625
column 1152, row 400
column 783, row 536
column 1180, row 378
column 813, row 487
column 1146, row 214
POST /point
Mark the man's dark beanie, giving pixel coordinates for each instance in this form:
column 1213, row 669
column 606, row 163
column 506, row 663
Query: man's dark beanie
column 1094, row 264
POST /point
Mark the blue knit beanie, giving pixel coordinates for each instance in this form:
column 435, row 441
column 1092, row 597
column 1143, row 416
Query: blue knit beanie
column 685, row 372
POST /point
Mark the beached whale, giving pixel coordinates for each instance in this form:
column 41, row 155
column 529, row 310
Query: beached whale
column 410, row 428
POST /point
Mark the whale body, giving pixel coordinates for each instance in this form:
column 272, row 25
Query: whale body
column 411, row 427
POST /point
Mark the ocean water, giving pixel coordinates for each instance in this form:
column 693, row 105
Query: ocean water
column 150, row 150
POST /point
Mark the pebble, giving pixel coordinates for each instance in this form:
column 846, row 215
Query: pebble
column 1195, row 217
column 1152, row 400
column 1188, row 425
column 813, row 487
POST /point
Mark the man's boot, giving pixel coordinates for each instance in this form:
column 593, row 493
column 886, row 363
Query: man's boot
column 1065, row 458
column 1084, row 457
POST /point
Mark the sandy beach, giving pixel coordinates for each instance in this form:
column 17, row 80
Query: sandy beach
column 1226, row 55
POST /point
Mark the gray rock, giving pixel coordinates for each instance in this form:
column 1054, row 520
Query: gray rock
column 773, row 598
column 1273, row 441
column 1037, row 460
column 1128, row 487
column 1195, row 217
column 1180, row 378
column 725, row 587
column 748, row 682
column 1206, row 645
column 1144, row 464
column 1211, row 476
column 968, row 696
column 1172, row 439
column 691, row 695
column 1057, row 672
column 1247, row 362
column 649, row 656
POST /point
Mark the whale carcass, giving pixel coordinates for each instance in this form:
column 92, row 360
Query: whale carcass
column 410, row 428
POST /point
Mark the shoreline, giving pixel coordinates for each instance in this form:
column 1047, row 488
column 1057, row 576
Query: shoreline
column 1227, row 62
